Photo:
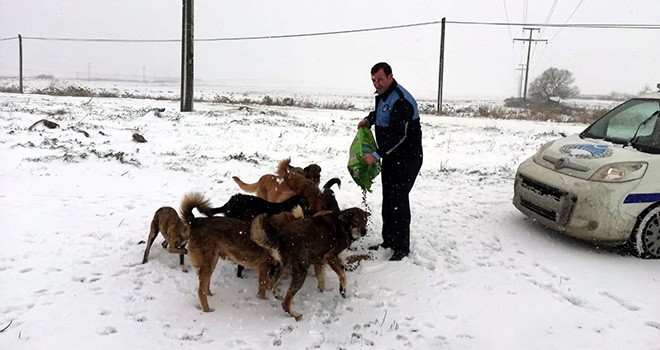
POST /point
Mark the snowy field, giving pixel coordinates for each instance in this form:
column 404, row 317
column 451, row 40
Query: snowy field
column 78, row 199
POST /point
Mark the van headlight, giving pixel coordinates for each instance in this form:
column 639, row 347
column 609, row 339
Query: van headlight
column 620, row 172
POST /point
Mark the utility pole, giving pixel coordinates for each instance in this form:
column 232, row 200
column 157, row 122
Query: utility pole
column 529, row 50
column 20, row 63
column 442, row 66
column 187, row 57
column 521, row 68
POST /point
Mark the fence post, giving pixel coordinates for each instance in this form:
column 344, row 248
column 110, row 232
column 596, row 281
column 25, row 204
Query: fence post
column 20, row 63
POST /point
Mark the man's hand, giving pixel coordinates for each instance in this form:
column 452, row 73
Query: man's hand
column 369, row 158
column 364, row 123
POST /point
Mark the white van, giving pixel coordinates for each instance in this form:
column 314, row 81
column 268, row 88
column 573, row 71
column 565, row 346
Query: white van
column 602, row 185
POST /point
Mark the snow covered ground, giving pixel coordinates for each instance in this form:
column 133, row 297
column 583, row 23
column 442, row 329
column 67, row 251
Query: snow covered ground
column 78, row 199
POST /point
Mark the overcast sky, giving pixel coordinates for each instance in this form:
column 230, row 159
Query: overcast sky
column 480, row 60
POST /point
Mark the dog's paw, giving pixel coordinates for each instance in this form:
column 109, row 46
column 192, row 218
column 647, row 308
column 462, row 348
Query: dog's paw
column 342, row 292
column 200, row 307
column 296, row 315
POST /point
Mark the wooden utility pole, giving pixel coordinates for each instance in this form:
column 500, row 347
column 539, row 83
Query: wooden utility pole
column 187, row 57
column 20, row 63
column 529, row 50
column 442, row 66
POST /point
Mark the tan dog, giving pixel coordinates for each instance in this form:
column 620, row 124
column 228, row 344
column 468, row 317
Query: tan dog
column 269, row 187
column 273, row 188
column 221, row 237
column 299, row 243
column 167, row 221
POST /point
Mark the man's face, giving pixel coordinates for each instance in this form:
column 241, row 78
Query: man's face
column 381, row 81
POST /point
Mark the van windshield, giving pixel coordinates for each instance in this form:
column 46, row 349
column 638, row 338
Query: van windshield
column 633, row 123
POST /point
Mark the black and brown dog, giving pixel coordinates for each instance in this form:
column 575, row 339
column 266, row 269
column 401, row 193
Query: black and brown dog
column 299, row 243
column 329, row 195
column 246, row 207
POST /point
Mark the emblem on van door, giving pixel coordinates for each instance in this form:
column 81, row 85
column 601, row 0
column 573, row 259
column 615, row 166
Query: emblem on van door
column 586, row 151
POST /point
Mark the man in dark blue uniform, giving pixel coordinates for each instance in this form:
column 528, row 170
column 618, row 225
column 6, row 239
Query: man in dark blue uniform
column 399, row 138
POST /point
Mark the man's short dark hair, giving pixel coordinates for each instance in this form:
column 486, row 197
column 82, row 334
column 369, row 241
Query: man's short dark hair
column 381, row 65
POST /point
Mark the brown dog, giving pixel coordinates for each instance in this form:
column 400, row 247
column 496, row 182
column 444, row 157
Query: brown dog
column 312, row 172
column 221, row 237
column 299, row 243
column 167, row 221
column 301, row 185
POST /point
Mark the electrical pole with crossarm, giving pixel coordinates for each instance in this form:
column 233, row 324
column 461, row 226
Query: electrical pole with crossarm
column 529, row 50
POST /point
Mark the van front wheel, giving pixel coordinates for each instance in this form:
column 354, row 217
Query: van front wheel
column 644, row 241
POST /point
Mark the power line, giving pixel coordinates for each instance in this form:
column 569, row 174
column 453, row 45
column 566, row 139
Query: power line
column 569, row 18
column 506, row 13
column 565, row 25
column 514, row 24
column 552, row 10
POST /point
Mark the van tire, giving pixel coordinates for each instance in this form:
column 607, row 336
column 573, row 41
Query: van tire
column 644, row 241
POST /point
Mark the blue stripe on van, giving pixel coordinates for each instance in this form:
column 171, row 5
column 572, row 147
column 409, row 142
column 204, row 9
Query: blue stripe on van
column 642, row 198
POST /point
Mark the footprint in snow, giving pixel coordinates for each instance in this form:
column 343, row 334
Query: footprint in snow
column 106, row 330
column 621, row 302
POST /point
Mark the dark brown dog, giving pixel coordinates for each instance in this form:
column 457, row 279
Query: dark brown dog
column 220, row 237
column 302, row 242
column 167, row 221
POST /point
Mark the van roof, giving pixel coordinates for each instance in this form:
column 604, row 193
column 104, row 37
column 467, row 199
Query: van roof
column 653, row 95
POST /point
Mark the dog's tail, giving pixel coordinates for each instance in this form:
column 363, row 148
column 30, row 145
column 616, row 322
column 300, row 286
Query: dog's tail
column 263, row 230
column 250, row 188
column 283, row 167
column 331, row 182
column 260, row 236
column 189, row 202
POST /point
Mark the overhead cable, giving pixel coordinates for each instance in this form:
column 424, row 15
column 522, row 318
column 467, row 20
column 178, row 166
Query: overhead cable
column 262, row 37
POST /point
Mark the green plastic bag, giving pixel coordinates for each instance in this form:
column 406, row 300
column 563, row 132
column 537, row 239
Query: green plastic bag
column 362, row 173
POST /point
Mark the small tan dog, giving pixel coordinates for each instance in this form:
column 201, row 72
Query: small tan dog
column 176, row 233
